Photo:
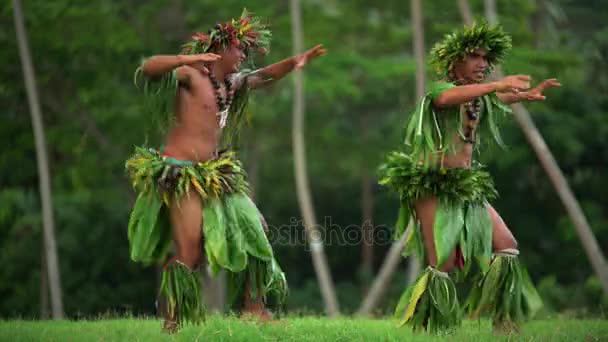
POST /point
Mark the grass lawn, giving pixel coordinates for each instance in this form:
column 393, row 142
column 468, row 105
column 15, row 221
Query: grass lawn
column 218, row 328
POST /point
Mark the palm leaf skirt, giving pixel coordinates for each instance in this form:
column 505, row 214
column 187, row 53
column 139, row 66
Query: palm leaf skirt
column 232, row 230
column 430, row 304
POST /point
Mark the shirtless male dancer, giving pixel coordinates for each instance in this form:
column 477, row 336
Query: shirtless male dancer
column 193, row 192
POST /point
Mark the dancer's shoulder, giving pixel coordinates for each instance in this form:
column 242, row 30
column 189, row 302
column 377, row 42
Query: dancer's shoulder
column 437, row 87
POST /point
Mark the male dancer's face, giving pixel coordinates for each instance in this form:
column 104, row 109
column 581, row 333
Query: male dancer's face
column 232, row 58
column 473, row 67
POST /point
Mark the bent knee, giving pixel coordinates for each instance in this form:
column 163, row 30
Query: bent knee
column 448, row 265
column 504, row 240
column 190, row 254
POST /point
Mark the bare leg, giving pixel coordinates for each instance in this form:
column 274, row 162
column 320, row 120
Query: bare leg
column 425, row 212
column 256, row 307
column 502, row 238
column 186, row 222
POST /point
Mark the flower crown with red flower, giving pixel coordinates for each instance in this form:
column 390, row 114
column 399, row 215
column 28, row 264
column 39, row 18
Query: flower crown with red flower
column 246, row 32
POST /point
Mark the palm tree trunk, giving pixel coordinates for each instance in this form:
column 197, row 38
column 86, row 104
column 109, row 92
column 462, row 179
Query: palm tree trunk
column 42, row 162
column 302, row 186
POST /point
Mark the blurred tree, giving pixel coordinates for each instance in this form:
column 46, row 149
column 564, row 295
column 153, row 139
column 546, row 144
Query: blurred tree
column 51, row 271
column 301, row 174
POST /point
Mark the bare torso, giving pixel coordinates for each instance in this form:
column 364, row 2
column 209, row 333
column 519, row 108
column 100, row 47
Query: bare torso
column 463, row 154
column 196, row 134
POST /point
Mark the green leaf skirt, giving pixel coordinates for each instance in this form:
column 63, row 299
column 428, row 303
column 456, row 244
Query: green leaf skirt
column 232, row 231
column 461, row 218
column 462, row 222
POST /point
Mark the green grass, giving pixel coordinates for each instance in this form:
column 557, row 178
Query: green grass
column 290, row 329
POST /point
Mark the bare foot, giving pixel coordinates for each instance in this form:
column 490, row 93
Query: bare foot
column 170, row 327
column 259, row 315
column 505, row 328
column 170, row 322
column 257, row 311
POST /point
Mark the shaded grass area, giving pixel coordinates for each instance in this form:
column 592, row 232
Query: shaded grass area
column 218, row 328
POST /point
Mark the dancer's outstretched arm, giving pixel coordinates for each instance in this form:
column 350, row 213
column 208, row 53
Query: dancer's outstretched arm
column 461, row 94
column 534, row 94
column 156, row 66
column 267, row 75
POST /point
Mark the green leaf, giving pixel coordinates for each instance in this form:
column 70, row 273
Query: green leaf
column 449, row 222
column 479, row 230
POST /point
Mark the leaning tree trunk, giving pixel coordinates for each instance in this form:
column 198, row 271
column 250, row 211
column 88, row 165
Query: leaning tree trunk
column 42, row 162
column 394, row 255
column 585, row 234
column 313, row 234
